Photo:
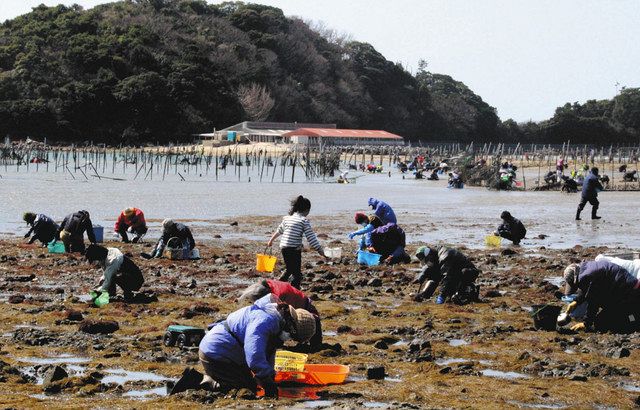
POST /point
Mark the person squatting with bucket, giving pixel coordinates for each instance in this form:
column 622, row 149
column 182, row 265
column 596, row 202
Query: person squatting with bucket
column 293, row 227
column 612, row 295
column 117, row 268
column 131, row 220
column 451, row 269
column 239, row 352
column 72, row 229
column 176, row 236
column 287, row 294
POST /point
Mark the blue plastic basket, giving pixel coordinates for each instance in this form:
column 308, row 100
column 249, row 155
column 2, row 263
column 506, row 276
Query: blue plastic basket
column 98, row 231
column 368, row 258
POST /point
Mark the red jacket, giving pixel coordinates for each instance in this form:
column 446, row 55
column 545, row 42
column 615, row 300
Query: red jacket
column 137, row 220
column 288, row 294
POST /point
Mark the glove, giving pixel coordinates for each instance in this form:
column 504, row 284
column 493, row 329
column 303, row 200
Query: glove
column 571, row 307
column 578, row 327
column 26, row 235
column 351, row 235
column 270, row 388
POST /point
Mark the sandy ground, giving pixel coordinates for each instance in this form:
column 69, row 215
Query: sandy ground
column 482, row 355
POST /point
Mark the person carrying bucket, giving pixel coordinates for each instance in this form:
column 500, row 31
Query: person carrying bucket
column 42, row 227
column 118, row 269
column 239, row 352
column 612, row 295
column 289, row 295
column 450, row 268
column 511, row 228
column 175, row 235
column 131, row 220
column 293, row 227
column 72, row 231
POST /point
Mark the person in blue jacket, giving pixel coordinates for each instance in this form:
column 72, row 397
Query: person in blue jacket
column 42, row 227
column 590, row 188
column 239, row 352
column 383, row 211
column 368, row 225
column 611, row 292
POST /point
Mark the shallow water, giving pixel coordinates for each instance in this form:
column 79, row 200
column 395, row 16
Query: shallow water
column 143, row 394
column 439, row 215
column 503, row 375
column 121, row 376
column 457, row 342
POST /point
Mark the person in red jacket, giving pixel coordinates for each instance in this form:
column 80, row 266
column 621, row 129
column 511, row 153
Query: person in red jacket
column 287, row 294
column 131, row 220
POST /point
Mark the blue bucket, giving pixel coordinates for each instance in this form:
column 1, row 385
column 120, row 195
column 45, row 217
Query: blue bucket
column 368, row 258
column 98, row 231
column 55, row 247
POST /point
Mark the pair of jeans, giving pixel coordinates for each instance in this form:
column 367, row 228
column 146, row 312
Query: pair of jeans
column 293, row 263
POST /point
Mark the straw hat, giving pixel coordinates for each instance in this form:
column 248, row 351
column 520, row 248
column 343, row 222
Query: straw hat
column 571, row 278
column 305, row 324
column 129, row 212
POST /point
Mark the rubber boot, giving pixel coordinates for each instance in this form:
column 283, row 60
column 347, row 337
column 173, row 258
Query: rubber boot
column 578, row 214
column 427, row 291
column 593, row 213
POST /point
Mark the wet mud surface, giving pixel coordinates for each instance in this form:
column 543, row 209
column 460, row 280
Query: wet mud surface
column 482, row 355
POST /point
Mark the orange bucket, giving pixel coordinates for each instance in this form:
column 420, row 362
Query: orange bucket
column 316, row 374
column 265, row 263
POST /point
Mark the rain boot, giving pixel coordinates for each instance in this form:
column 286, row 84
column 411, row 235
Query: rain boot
column 594, row 210
column 578, row 214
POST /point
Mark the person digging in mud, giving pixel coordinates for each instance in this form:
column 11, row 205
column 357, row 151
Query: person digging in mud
column 42, row 227
column 590, row 188
column 131, row 220
column 389, row 241
column 175, row 235
column 448, row 267
column 612, row 295
column 293, row 227
column 367, row 227
column 118, row 269
column 289, row 295
column 383, row 211
column 72, row 230
column 511, row 228
column 239, row 352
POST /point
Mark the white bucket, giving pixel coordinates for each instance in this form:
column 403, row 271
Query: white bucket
column 333, row 253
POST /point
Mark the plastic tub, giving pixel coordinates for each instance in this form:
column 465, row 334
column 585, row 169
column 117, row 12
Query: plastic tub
column 265, row 263
column 368, row 258
column 56, row 247
column 492, row 240
column 316, row 374
column 287, row 361
column 545, row 316
column 333, row 253
column 98, row 231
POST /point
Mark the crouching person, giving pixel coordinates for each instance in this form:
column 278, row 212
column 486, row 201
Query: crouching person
column 452, row 270
column 240, row 351
column 285, row 292
column 72, row 230
column 511, row 228
column 42, row 227
column 174, row 235
column 389, row 241
column 131, row 220
column 612, row 295
column 118, row 269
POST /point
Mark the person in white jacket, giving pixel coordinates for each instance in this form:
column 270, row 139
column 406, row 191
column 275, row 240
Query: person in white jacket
column 118, row 269
column 631, row 266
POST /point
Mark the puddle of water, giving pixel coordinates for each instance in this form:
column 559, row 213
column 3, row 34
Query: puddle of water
column 396, row 379
column 62, row 359
column 401, row 343
column 555, row 280
column 457, row 342
column 41, row 396
column 450, row 360
column 317, row 404
column 329, row 333
column 141, row 394
column 538, row 405
column 84, row 298
column 375, row 405
column 631, row 388
column 352, row 307
column 121, row 376
column 503, row 375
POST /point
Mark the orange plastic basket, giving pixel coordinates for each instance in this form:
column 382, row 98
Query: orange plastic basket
column 316, row 374
column 265, row 263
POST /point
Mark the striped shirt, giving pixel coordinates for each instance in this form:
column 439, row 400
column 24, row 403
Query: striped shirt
column 292, row 228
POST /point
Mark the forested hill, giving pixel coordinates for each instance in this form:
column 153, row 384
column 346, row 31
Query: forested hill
column 160, row 70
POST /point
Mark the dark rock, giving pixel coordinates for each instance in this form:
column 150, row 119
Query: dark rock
column 542, row 236
column 508, row 252
column 34, row 337
column 344, row 329
column 74, row 315
column 618, row 353
column 20, row 278
column 445, row 370
column 380, row 344
column 578, row 378
column 234, row 223
column 420, row 351
column 375, row 282
column 16, row 299
column 98, row 326
column 376, row 373
column 492, row 293
column 53, row 374
column 190, row 379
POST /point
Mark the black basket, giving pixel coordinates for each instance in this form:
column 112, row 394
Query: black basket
column 545, row 316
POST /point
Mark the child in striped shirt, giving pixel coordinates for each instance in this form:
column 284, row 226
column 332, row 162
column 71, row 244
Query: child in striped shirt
column 293, row 228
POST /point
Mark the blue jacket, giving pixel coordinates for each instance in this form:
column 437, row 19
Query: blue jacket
column 591, row 186
column 603, row 284
column 258, row 327
column 383, row 211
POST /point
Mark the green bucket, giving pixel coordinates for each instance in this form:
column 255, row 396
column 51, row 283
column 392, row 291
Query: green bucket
column 101, row 300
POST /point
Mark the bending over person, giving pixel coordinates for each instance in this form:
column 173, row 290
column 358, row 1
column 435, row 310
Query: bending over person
column 42, row 227
column 511, row 228
column 118, row 269
column 176, row 236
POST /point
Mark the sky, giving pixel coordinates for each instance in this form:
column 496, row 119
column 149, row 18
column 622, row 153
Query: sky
column 523, row 57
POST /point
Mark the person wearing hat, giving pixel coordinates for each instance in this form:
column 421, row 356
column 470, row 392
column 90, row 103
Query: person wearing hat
column 43, row 228
column 611, row 292
column 590, row 188
column 367, row 228
column 131, row 220
column 176, row 235
column 511, row 228
column 450, row 268
column 117, row 268
column 287, row 294
column 239, row 352
column 383, row 211
column 72, row 231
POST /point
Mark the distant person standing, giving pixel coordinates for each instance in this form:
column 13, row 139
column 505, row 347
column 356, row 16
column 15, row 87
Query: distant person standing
column 559, row 168
column 590, row 188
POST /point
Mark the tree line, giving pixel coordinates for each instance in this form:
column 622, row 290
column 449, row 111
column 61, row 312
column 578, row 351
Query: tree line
column 160, row 70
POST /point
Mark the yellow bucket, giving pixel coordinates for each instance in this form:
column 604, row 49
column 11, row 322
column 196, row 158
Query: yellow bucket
column 265, row 263
column 287, row 361
column 493, row 240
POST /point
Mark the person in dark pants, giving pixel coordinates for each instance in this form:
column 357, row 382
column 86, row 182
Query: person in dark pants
column 590, row 188
column 611, row 292
column 175, row 235
column 131, row 220
column 42, row 227
column 511, row 228
column 289, row 295
column 293, row 227
column 72, row 231
column 449, row 268
column 118, row 269
column 389, row 241
column 239, row 352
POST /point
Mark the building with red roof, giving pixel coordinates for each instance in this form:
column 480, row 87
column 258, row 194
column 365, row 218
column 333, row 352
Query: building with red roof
column 335, row 136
